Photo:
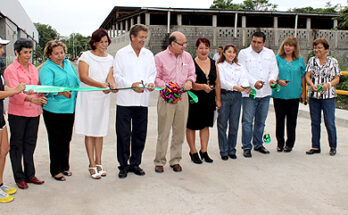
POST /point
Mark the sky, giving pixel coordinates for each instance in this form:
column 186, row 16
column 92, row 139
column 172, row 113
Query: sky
column 85, row 16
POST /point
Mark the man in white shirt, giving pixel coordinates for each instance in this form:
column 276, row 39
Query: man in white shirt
column 218, row 54
column 262, row 71
column 134, row 66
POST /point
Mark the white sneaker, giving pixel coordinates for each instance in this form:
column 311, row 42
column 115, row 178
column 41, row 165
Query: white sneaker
column 8, row 190
column 4, row 197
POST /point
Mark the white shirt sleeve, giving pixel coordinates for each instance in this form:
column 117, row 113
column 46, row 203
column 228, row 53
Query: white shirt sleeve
column 120, row 73
column 274, row 68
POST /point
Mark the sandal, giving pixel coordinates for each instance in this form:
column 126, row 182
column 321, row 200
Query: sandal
column 96, row 174
column 67, row 173
column 279, row 149
column 60, row 178
column 287, row 149
column 102, row 172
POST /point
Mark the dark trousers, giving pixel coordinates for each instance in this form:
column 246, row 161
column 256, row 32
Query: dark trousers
column 59, row 130
column 286, row 108
column 131, row 127
column 22, row 144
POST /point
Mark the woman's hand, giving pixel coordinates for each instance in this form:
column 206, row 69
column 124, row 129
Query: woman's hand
column 207, row 88
column 326, row 86
column 66, row 94
column 20, row 87
column 218, row 104
column 38, row 101
column 105, row 85
column 315, row 88
column 282, row 83
column 303, row 96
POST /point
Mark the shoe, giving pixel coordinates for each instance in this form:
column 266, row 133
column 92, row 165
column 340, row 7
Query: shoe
column 279, row 149
column 22, row 185
column 8, row 190
column 262, row 149
column 332, row 151
column 5, row 198
column 123, row 173
column 233, row 156
column 34, row 180
column 59, row 178
column 224, row 157
column 159, row 169
column 195, row 158
column 313, row 151
column 176, row 167
column 67, row 173
column 247, row 153
column 101, row 170
column 205, row 157
column 94, row 174
column 136, row 170
column 287, row 149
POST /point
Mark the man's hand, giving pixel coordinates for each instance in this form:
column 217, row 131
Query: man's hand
column 258, row 85
column 188, row 85
column 151, row 87
column 136, row 84
column 272, row 82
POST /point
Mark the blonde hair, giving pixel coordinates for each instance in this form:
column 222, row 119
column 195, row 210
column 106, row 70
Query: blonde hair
column 292, row 41
column 52, row 44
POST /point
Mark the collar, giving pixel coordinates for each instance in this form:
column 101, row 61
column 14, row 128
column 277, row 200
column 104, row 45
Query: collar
column 16, row 64
column 171, row 53
column 252, row 50
column 131, row 50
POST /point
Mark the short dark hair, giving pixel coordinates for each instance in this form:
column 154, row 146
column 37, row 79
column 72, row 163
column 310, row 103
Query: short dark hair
column 205, row 41
column 322, row 41
column 22, row 43
column 171, row 39
column 135, row 29
column 220, row 47
column 97, row 36
column 259, row 34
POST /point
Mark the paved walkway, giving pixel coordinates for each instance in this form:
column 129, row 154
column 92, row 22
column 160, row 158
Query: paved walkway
column 277, row 183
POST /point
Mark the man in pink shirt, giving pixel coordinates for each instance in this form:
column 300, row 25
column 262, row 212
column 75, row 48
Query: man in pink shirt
column 173, row 65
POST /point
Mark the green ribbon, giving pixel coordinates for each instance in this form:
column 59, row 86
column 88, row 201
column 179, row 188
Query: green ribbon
column 54, row 89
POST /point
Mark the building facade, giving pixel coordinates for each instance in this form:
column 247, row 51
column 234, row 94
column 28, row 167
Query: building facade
column 223, row 27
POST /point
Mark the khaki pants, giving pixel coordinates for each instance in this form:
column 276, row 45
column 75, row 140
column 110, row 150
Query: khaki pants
column 171, row 116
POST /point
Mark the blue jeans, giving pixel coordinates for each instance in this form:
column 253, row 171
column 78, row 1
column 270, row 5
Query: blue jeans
column 253, row 121
column 328, row 108
column 229, row 112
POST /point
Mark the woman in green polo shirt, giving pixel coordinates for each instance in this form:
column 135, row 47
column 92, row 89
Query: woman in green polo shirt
column 286, row 99
column 59, row 112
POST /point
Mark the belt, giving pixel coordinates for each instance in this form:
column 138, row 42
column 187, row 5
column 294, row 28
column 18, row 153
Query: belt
column 223, row 91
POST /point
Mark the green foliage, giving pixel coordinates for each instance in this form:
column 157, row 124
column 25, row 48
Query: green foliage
column 246, row 5
column 46, row 33
column 76, row 44
column 343, row 19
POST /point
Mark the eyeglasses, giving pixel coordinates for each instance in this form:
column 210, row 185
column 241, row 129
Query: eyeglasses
column 180, row 44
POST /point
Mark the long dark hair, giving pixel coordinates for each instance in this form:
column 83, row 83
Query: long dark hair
column 223, row 58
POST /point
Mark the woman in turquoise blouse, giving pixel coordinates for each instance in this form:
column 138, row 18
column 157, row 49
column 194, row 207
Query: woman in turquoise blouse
column 59, row 113
column 286, row 100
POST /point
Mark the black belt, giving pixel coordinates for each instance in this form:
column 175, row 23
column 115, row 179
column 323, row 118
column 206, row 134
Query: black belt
column 223, row 91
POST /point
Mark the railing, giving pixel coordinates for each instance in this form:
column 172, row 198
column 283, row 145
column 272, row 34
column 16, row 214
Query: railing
column 343, row 92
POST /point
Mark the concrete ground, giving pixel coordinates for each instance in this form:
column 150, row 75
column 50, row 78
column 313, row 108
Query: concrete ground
column 278, row 183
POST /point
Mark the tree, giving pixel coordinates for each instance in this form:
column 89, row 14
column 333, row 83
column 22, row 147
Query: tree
column 46, row 33
column 327, row 9
column 76, row 43
column 246, row 5
column 343, row 19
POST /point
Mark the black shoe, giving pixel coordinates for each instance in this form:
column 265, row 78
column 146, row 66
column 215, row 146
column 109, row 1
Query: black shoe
column 247, row 153
column 205, row 157
column 313, row 151
column 225, row 158
column 123, row 173
column 136, row 170
column 332, row 151
column 195, row 158
column 233, row 156
column 262, row 149
column 287, row 149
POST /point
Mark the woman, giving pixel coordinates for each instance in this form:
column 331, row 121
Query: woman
column 293, row 87
column 23, row 114
column 207, row 89
column 59, row 111
column 5, row 191
column 92, row 108
column 322, row 75
column 233, row 83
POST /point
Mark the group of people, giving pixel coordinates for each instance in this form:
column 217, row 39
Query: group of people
column 223, row 87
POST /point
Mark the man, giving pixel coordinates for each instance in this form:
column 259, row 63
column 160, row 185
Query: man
column 5, row 191
column 173, row 65
column 261, row 65
column 218, row 54
column 134, row 66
